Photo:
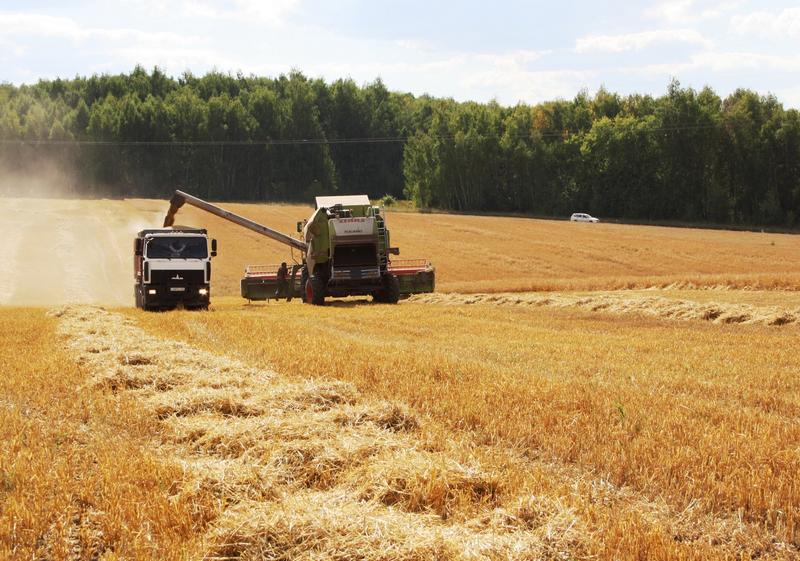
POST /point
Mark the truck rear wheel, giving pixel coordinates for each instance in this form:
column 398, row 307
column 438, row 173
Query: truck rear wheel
column 315, row 291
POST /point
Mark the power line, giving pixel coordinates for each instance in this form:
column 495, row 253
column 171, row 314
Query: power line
column 329, row 141
column 274, row 142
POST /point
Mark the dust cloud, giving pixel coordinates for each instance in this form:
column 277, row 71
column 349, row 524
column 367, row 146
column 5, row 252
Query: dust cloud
column 38, row 178
column 61, row 250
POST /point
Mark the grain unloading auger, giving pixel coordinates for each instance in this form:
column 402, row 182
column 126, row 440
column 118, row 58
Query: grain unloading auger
column 345, row 251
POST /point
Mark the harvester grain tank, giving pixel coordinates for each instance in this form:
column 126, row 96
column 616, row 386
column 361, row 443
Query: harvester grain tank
column 345, row 249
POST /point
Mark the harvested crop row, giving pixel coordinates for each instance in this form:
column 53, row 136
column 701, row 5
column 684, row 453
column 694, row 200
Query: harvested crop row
column 79, row 478
column 655, row 306
column 308, row 469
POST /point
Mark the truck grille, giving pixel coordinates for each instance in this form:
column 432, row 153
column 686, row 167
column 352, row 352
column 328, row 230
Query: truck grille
column 168, row 277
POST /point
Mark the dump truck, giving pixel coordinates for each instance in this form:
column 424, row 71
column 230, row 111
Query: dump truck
column 345, row 251
column 172, row 267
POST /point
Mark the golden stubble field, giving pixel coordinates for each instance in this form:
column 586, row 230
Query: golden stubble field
column 642, row 404
column 491, row 254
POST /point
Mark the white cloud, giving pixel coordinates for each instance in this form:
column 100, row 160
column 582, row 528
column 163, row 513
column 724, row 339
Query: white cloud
column 119, row 47
column 673, row 12
column 725, row 62
column 174, row 59
column 39, row 25
column 151, row 7
column 261, row 12
column 514, row 59
column 683, row 12
column 512, row 85
column 766, row 25
column 789, row 96
column 370, row 70
column 269, row 37
column 508, row 78
column 639, row 41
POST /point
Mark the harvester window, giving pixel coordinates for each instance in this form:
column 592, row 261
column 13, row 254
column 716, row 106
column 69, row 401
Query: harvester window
column 177, row 248
column 355, row 256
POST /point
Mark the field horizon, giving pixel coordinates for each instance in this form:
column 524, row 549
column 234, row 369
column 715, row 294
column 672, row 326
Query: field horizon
column 472, row 254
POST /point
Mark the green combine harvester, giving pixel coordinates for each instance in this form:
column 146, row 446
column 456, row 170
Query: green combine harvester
column 345, row 248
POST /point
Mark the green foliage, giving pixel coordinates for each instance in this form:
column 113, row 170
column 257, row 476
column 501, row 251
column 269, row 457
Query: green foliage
column 686, row 155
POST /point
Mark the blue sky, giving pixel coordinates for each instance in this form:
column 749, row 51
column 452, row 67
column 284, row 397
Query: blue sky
column 508, row 50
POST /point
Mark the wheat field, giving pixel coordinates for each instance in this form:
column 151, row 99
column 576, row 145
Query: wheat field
column 592, row 392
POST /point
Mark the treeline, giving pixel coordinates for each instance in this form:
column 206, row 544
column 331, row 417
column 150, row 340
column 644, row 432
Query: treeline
column 218, row 135
column 685, row 156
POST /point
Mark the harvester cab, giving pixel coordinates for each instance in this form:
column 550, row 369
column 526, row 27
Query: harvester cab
column 345, row 249
column 348, row 248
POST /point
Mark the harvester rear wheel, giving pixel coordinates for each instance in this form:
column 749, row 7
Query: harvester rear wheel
column 303, row 282
column 315, row 291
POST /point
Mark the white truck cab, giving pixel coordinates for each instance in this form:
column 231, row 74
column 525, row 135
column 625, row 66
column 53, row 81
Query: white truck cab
column 172, row 267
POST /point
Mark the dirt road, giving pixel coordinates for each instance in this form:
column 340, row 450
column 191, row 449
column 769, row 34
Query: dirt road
column 59, row 251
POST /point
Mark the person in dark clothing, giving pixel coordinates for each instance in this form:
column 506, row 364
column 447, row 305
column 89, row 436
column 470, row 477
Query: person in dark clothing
column 281, row 290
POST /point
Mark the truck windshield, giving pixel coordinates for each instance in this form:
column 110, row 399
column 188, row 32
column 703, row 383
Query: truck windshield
column 170, row 247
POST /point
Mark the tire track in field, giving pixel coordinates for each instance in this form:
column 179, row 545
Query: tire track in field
column 39, row 261
column 66, row 251
column 314, row 470
column 11, row 227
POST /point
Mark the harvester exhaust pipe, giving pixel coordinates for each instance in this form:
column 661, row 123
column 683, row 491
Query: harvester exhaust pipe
column 180, row 198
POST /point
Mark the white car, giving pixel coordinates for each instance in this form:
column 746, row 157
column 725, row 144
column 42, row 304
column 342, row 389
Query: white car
column 583, row 217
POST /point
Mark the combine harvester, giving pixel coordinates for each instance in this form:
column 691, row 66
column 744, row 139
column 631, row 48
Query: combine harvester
column 345, row 252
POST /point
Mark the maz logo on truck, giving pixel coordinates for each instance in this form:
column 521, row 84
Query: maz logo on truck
column 177, row 277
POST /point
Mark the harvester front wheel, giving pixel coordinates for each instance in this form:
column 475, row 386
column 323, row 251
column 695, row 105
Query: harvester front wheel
column 315, row 291
column 389, row 292
column 392, row 290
